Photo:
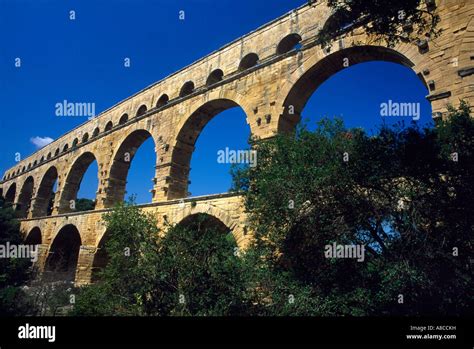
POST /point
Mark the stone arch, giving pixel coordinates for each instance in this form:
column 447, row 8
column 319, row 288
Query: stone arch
column 44, row 193
column 73, row 180
column 63, row 255
column 108, row 126
column 120, row 165
column 186, row 89
column 305, row 81
column 123, row 119
column 25, row 197
column 288, row 43
column 65, row 148
column 141, row 111
column 34, row 237
column 85, row 138
column 214, row 77
column 163, row 100
column 186, row 139
column 223, row 217
column 75, row 142
column 56, row 153
column 96, row 132
column 10, row 194
column 248, row 61
column 101, row 257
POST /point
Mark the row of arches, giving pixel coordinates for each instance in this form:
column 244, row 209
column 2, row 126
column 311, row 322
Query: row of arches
column 183, row 144
column 288, row 43
column 44, row 193
column 63, row 253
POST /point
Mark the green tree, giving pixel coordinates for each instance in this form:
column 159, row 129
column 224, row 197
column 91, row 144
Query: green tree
column 399, row 194
column 85, row 205
column 189, row 270
column 399, row 20
column 14, row 272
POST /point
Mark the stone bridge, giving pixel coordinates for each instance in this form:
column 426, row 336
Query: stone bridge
column 270, row 73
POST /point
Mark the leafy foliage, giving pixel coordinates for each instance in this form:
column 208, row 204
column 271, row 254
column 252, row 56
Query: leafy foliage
column 400, row 194
column 399, row 20
column 187, row 271
column 14, row 272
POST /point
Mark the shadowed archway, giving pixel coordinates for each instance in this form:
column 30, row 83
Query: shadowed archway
column 24, row 200
column 63, row 254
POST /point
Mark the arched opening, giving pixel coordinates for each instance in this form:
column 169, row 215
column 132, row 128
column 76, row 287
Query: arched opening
column 10, row 195
column 249, row 61
column 96, row 132
column 203, row 222
column 143, row 168
column 65, row 148
column 48, row 156
column 108, row 126
column 221, row 127
column 187, row 89
column 142, row 110
column 85, row 138
column 56, row 153
column 24, row 200
column 101, row 258
column 288, row 43
column 44, row 201
column 34, row 237
column 164, row 99
column 214, row 77
column 369, row 85
column 123, row 119
column 70, row 200
column 41, row 159
column 75, row 142
column 63, row 254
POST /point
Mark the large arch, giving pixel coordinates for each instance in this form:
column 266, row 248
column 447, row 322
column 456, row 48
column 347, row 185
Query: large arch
column 24, row 199
column 120, row 165
column 204, row 221
column 73, row 181
column 10, row 195
column 34, row 237
column 185, row 141
column 63, row 255
column 45, row 193
column 301, row 86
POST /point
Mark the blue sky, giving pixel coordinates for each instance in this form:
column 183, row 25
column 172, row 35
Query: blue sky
column 82, row 61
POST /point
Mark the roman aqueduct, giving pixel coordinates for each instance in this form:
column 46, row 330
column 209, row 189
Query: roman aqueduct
column 270, row 73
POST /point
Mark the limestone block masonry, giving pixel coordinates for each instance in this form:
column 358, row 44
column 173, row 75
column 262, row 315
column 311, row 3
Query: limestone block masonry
column 264, row 73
